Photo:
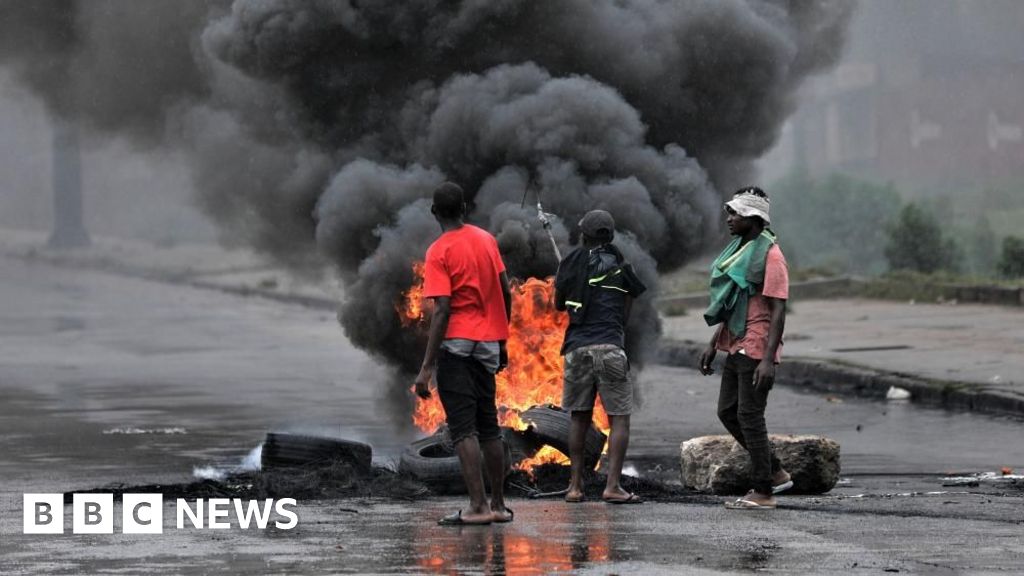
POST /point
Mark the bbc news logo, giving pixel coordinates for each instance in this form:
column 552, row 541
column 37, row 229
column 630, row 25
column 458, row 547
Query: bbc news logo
column 144, row 513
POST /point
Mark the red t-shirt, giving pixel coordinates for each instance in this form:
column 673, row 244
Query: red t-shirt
column 464, row 264
column 759, row 317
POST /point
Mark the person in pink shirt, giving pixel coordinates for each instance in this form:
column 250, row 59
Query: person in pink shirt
column 749, row 289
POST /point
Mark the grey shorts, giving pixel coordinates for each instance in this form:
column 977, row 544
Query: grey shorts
column 599, row 369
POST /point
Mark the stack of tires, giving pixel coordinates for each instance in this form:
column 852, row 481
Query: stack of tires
column 433, row 461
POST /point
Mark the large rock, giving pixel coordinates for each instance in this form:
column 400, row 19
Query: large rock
column 717, row 464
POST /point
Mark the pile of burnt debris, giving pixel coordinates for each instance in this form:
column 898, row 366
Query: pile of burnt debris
column 341, row 481
column 319, row 468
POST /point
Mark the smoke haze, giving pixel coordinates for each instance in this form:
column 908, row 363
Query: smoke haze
column 316, row 130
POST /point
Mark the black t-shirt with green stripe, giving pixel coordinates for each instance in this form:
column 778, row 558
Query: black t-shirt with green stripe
column 609, row 282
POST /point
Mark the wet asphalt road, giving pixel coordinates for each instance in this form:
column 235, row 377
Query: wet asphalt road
column 86, row 358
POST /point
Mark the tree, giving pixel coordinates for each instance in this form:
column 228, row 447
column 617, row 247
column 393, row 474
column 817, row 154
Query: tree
column 1011, row 263
column 916, row 242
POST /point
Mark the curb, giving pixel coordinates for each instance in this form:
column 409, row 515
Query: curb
column 315, row 302
column 111, row 266
column 833, row 376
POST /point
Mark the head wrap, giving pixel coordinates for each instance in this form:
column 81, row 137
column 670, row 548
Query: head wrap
column 748, row 204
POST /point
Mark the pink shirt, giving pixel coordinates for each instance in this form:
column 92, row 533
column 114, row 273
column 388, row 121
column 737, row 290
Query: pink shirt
column 755, row 340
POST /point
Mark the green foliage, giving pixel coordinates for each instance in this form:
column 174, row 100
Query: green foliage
column 836, row 224
column 1011, row 263
column 938, row 286
column 916, row 242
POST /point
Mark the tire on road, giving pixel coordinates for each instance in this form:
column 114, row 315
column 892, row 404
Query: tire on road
column 301, row 451
column 550, row 425
column 433, row 461
column 521, row 444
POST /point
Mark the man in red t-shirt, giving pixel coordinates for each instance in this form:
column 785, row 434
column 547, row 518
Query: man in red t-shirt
column 749, row 289
column 466, row 279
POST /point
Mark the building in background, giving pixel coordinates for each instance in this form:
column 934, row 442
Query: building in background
column 928, row 97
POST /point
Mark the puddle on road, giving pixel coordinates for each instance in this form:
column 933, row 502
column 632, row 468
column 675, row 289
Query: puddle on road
column 895, row 437
column 131, row 430
column 443, row 550
column 555, row 538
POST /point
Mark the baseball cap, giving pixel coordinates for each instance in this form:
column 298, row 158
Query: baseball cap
column 597, row 224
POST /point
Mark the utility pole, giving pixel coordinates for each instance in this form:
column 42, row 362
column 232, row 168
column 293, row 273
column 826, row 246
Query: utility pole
column 68, row 227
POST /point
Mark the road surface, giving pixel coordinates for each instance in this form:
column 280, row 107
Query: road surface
column 108, row 379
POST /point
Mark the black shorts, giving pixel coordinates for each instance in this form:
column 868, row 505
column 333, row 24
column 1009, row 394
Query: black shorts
column 466, row 390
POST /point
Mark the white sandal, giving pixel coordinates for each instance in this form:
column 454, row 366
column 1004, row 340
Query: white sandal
column 744, row 504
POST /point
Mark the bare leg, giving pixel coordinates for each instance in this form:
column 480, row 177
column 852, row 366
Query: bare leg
column 618, row 441
column 581, row 421
column 468, row 450
column 494, row 459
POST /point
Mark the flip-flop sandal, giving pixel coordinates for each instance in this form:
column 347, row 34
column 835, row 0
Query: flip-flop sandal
column 576, row 499
column 631, row 499
column 511, row 517
column 457, row 520
column 743, row 504
column 782, row 487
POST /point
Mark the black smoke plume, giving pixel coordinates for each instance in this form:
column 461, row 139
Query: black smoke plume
column 317, row 129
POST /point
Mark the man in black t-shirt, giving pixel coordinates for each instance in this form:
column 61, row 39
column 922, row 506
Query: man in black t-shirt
column 596, row 287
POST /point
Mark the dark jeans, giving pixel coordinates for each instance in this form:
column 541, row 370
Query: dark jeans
column 741, row 410
column 466, row 390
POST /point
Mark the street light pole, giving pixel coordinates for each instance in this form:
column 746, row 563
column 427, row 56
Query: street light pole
column 68, row 227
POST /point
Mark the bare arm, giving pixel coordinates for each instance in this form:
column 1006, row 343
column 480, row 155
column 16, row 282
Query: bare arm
column 438, row 327
column 777, row 308
column 506, row 293
column 708, row 356
column 765, row 373
column 716, row 335
column 559, row 300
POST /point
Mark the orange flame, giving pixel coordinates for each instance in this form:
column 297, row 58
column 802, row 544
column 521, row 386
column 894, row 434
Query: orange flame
column 534, row 373
column 410, row 308
column 546, row 455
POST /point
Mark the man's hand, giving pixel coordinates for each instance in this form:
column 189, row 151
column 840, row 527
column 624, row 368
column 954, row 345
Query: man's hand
column 706, row 359
column 422, row 384
column 502, row 356
column 764, row 375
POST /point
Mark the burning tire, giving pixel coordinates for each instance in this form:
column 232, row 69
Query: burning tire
column 520, row 445
column 550, row 425
column 433, row 461
column 299, row 451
